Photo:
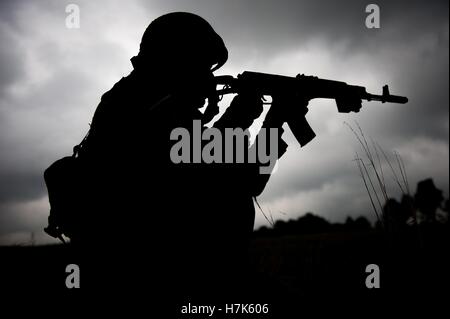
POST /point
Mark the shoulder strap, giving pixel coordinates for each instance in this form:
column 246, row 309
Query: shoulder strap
column 78, row 147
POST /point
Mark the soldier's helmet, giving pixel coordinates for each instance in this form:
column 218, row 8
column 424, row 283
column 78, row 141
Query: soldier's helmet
column 182, row 38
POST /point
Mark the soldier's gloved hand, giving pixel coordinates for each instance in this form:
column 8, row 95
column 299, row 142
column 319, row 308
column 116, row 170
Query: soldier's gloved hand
column 243, row 110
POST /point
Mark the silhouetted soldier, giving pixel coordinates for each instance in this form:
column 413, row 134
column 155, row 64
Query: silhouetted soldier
column 154, row 222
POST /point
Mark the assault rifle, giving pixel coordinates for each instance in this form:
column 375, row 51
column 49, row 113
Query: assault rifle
column 348, row 97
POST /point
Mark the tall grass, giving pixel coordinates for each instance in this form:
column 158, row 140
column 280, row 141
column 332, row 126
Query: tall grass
column 370, row 167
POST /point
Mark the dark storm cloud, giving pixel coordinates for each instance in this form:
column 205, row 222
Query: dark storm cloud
column 8, row 11
column 18, row 186
column 11, row 67
column 427, row 88
column 275, row 25
column 11, row 58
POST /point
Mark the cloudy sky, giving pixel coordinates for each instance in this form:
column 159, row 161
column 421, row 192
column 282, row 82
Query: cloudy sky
column 52, row 78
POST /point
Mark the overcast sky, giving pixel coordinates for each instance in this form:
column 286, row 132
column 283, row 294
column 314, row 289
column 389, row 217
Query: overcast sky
column 52, row 78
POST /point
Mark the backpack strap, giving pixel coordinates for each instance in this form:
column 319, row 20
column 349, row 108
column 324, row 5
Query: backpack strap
column 77, row 148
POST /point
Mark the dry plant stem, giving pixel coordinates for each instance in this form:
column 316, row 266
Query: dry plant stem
column 270, row 221
column 383, row 182
column 396, row 179
column 369, row 155
column 359, row 161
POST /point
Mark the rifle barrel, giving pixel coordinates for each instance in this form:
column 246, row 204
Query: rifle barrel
column 321, row 88
column 386, row 98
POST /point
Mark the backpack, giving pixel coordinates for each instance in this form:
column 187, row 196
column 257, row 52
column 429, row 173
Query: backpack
column 64, row 180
